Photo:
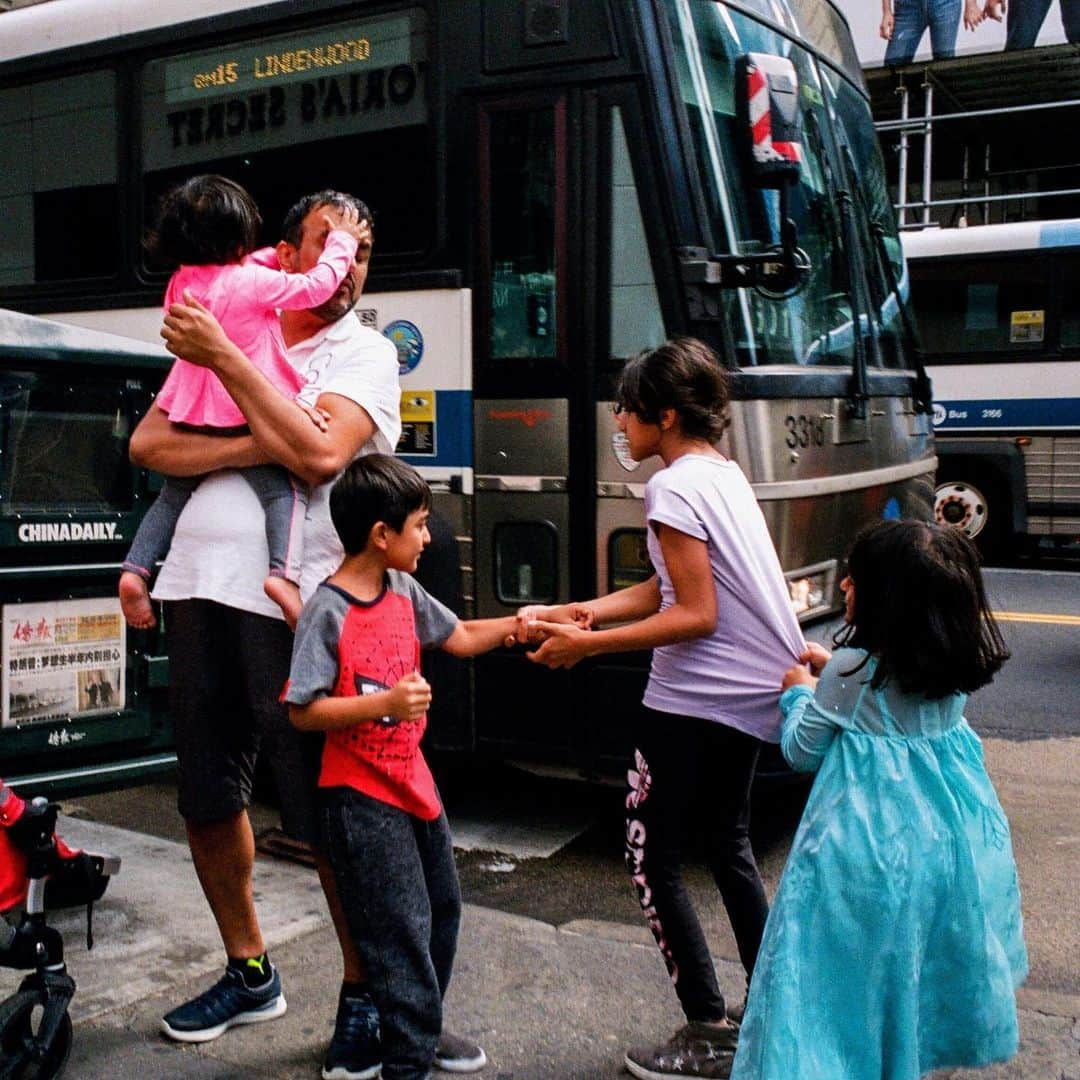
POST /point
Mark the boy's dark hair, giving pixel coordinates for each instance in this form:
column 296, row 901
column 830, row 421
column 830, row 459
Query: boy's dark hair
column 292, row 228
column 374, row 488
column 205, row 220
column 921, row 609
column 682, row 374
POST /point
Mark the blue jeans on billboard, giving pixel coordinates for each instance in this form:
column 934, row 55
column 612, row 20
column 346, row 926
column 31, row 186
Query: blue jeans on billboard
column 1024, row 20
column 911, row 18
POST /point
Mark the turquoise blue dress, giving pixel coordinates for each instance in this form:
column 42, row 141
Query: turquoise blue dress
column 895, row 943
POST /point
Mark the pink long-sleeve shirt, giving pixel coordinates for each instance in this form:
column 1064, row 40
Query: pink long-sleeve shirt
column 245, row 298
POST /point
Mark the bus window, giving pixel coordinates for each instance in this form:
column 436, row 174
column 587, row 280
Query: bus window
column 526, row 562
column 522, row 163
column 298, row 112
column 628, row 559
column 1070, row 311
column 63, row 444
column 815, row 327
column 59, row 215
column 636, row 319
column 986, row 306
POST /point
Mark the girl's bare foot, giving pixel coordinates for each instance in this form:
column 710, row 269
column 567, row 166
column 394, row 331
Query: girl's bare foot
column 135, row 601
column 286, row 594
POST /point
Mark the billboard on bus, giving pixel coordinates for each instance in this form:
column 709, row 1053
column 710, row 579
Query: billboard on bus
column 896, row 32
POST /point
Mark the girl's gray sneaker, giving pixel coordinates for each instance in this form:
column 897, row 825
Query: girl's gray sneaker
column 699, row 1049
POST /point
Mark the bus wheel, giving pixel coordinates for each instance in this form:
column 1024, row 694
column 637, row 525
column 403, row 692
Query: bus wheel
column 978, row 514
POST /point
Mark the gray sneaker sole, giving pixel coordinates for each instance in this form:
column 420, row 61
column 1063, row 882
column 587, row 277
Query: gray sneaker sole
column 461, row 1065
column 270, row 1011
column 339, row 1072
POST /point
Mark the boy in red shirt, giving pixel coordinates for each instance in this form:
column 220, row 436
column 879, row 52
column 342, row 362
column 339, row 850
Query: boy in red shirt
column 355, row 675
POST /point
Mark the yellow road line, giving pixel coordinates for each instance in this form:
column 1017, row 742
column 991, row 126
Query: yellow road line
column 1033, row 617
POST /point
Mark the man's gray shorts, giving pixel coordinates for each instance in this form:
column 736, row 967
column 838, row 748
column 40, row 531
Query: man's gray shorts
column 227, row 669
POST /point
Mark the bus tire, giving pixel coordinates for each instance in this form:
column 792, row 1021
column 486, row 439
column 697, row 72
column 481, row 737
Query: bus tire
column 974, row 502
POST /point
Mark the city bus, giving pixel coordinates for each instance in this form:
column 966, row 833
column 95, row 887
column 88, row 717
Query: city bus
column 554, row 186
column 1000, row 325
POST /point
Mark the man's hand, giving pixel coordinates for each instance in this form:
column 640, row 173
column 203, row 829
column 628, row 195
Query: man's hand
column 410, row 697
column 973, row 14
column 888, row 21
column 319, row 417
column 995, row 9
column 191, row 331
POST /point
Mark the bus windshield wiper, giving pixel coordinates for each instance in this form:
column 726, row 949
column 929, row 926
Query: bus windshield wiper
column 923, row 395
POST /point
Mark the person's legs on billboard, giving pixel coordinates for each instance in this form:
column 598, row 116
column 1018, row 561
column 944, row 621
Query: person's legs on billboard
column 1023, row 22
column 944, row 18
column 1070, row 19
column 910, row 19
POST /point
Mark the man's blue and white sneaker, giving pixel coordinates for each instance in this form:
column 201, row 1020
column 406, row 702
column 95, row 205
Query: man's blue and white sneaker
column 457, row 1054
column 355, row 1052
column 227, row 1003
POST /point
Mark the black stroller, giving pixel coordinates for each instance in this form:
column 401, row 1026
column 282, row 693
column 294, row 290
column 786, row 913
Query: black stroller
column 35, row 1028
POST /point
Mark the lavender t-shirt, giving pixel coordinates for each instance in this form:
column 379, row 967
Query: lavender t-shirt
column 733, row 675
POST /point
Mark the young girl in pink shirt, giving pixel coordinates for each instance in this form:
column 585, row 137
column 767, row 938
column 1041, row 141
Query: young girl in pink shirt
column 210, row 226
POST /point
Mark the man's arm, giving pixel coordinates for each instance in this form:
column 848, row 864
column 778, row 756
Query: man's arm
column 159, row 444
column 284, row 432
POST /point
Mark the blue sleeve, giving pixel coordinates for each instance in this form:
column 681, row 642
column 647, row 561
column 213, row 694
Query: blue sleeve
column 807, row 731
column 313, row 673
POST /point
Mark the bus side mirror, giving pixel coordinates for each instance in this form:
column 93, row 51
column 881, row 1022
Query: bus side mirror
column 767, row 104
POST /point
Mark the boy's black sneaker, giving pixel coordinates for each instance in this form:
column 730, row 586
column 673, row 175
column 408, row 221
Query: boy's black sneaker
column 699, row 1049
column 227, row 1003
column 457, row 1054
column 355, row 1053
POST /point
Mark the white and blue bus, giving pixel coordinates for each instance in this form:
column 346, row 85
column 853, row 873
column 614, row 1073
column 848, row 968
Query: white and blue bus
column 555, row 185
column 998, row 308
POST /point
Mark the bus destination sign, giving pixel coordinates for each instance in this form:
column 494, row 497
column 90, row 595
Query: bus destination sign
column 331, row 50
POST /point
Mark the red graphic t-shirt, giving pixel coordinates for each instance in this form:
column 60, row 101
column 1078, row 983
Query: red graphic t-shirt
column 347, row 647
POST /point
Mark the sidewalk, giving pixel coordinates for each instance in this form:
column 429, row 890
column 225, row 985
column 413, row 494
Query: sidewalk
column 547, row 1003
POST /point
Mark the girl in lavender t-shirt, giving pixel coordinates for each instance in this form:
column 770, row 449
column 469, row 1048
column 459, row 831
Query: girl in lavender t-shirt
column 718, row 617
column 210, row 226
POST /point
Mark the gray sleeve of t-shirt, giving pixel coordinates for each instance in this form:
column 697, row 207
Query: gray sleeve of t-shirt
column 313, row 673
column 435, row 622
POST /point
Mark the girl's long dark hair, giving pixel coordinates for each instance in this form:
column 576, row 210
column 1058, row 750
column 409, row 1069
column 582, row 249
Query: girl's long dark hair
column 921, row 609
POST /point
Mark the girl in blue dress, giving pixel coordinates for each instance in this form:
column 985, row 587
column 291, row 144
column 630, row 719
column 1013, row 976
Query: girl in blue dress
column 895, row 943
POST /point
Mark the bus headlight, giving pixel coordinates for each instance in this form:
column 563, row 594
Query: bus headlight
column 811, row 589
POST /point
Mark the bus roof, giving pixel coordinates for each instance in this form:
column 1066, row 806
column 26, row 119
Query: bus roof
column 23, row 336
column 992, row 239
column 47, row 27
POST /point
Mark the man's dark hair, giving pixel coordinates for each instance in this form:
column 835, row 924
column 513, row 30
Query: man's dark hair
column 205, row 220
column 374, row 488
column 921, row 609
column 682, row 374
column 292, row 228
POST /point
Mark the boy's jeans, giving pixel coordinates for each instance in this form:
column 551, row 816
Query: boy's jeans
column 398, row 884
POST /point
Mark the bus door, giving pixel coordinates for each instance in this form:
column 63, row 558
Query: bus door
column 527, row 416
column 564, row 292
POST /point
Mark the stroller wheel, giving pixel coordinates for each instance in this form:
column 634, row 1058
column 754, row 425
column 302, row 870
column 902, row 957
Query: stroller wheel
column 24, row 1052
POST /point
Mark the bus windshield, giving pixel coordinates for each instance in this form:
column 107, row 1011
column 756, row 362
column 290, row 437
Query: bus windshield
column 816, row 326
